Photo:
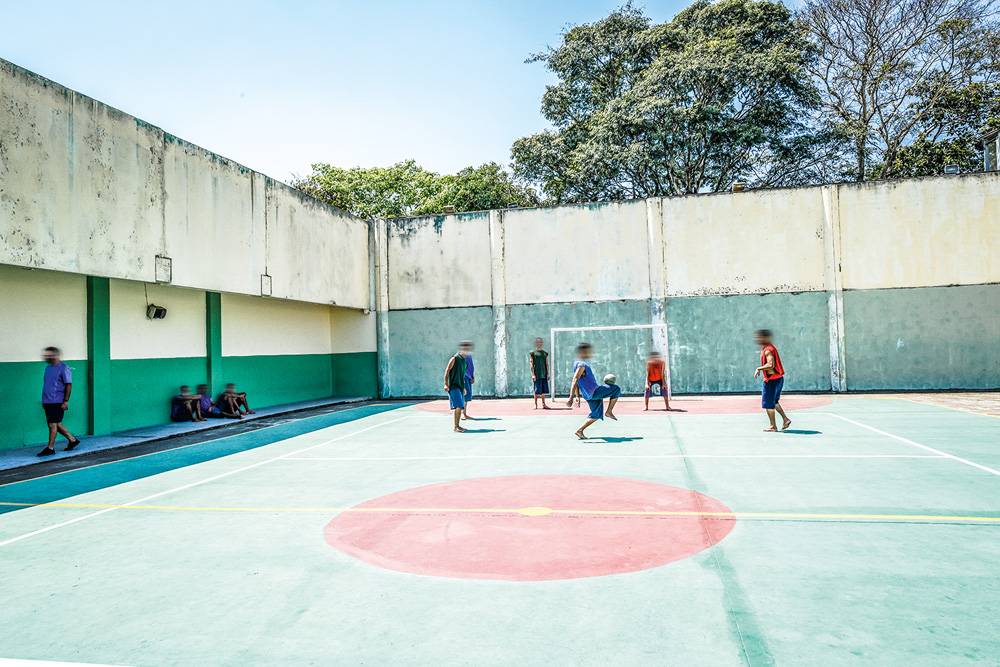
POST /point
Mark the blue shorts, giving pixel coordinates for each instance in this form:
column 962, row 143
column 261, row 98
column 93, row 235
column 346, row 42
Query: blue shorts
column 468, row 390
column 456, row 397
column 541, row 387
column 655, row 389
column 596, row 400
column 772, row 393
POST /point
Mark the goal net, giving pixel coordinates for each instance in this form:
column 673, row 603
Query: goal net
column 621, row 350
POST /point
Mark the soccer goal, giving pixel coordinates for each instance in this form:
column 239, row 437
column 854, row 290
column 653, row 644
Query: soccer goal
column 619, row 349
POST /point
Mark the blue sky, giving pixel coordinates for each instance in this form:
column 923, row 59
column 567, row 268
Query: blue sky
column 280, row 85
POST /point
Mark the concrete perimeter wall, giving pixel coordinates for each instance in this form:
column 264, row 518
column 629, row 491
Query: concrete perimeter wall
column 102, row 213
column 884, row 285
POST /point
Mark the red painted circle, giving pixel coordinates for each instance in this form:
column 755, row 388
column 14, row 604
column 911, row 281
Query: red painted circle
column 685, row 405
column 420, row 530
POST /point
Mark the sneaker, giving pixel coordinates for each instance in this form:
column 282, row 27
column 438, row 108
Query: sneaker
column 71, row 446
column 46, row 452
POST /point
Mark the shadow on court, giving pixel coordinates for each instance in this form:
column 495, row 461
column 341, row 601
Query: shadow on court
column 801, row 432
column 483, row 419
column 485, row 430
column 613, row 439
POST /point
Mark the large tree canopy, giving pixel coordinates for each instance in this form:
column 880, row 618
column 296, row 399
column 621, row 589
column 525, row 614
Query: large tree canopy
column 719, row 94
column 407, row 189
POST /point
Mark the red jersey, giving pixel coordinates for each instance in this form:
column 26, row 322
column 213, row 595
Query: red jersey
column 654, row 371
column 779, row 370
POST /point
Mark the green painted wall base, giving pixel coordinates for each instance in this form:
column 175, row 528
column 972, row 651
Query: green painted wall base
column 23, row 421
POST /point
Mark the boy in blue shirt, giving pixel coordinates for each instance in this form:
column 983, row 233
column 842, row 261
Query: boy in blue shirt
column 56, row 389
column 585, row 383
column 470, row 375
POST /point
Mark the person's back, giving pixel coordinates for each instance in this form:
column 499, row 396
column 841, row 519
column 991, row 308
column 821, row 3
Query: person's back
column 587, row 382
column 456, row 376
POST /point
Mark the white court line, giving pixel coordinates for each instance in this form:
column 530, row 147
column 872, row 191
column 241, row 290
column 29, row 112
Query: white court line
column 915, row 444
column 192, row 484
column 616, row 456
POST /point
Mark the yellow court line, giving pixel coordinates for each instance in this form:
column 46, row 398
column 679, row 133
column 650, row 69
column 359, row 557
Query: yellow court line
column 528, row 511
column 947, row 407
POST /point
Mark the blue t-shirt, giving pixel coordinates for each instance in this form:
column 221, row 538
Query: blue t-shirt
column 587, row 382
column 470, row 371
column 54, row 385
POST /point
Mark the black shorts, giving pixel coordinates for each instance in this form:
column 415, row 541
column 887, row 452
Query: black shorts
column 53, row 412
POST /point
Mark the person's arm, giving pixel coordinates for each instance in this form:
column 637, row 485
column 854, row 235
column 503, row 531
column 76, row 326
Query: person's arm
column 447, row 370
column 531, row 367
column 66, row 392
column 768, row 365
column 573, row 389
column 548, row 371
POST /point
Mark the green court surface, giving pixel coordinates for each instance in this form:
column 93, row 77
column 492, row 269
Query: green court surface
column 868, row 535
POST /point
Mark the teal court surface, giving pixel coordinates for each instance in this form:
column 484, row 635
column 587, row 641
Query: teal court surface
column 869, row 534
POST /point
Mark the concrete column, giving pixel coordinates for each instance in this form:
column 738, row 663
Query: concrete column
column 213, row 339
column 99, row 352
column 657, row 279
column 498, row 271
column 380, row 257
column 834, row 286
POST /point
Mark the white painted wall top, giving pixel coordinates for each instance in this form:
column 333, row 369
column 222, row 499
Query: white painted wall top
column 744, row 243
column 85, row 188
column 587, row 252
column 181, row 333
column 266, row 327
column 39, row 309
column 921, row 232
column 439, row 262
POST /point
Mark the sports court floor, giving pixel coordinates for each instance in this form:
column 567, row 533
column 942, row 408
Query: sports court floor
column 867, row 535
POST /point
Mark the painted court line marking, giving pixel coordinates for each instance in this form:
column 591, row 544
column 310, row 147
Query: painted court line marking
column 916, row 444
column 188, row 486
column 615, row 456
column 528, row 511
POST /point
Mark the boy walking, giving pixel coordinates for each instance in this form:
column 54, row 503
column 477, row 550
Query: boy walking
column 654, row 379
column 774, row 378
column 585, row 383
column 57, row 385
column 454, row 386
column 470, row 375
column 538, row 359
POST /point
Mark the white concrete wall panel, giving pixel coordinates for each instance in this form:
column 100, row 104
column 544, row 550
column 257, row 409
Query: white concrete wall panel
column 315, row 252
column 754, row 242
column 439, row 262
column 41, row 308
column 85, row 188
column 181, row 333
column 921, row 232
column 253, row 326
column 80, row 185
column 588, row 252
column 351, row 331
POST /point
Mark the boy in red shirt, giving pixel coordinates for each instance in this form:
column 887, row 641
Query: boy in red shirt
column 654, row 379
column 774, row 378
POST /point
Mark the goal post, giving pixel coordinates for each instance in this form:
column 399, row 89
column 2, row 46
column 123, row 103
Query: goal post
column 657, row 341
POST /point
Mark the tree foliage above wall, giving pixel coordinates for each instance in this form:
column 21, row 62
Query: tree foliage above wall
column 405, row 188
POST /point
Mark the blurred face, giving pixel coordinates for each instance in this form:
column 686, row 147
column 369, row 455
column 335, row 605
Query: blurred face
column 185, row 389
column 539, row 343
column 465, row 349
column 586, row 353
column 653, row 356
column 203, row 389
column 230, row 387
column 50, row 357
column 761, row 340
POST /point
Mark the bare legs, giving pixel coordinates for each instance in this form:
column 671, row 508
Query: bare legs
column 579, row 431
column 458, row 417
column 786, row 422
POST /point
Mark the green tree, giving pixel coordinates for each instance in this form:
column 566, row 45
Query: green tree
column 719, row 94
column 407, row 189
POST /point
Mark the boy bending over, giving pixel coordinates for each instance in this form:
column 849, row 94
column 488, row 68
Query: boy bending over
column 585, row 383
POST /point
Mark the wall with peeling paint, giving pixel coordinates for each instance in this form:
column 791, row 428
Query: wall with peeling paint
column 88, row 189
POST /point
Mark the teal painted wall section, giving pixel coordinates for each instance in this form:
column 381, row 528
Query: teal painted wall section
column 711, row 341
column 273, row 380
column 621, row 352
column 23, row 421
column 421, row 341
column 99, row 354
column 925, row 337
column 141, row 388
column 355, row 374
